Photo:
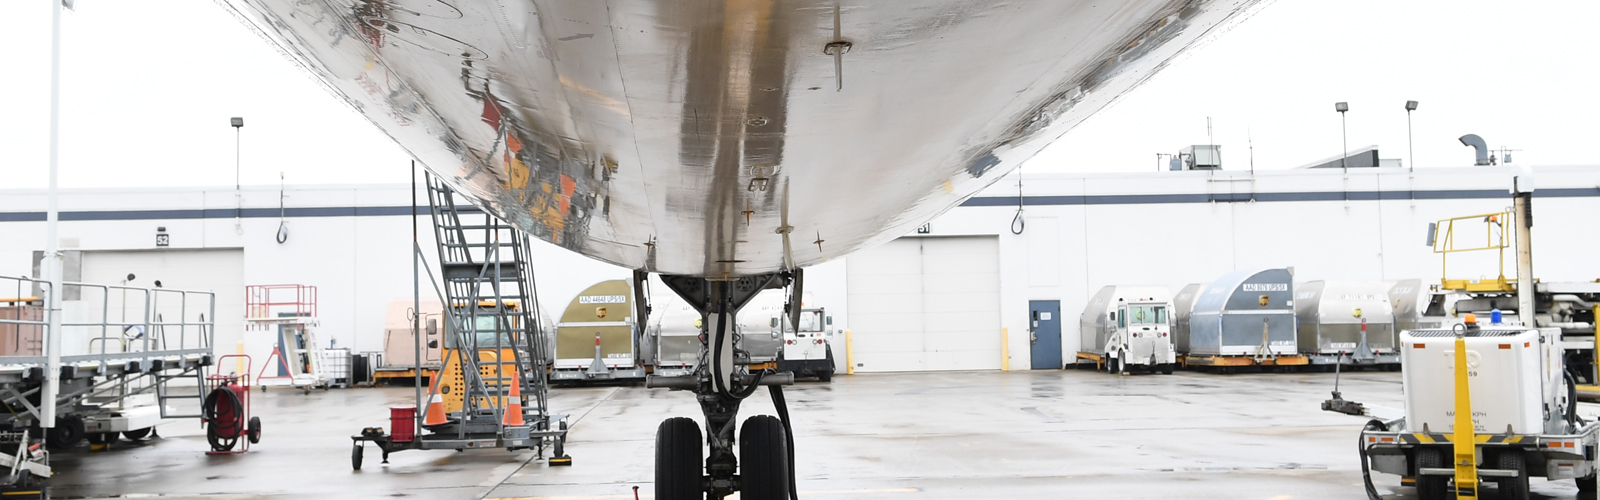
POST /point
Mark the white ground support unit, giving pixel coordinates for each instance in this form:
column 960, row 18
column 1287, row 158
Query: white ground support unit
column 130, row 358
column 1125, row 326
column 808, row 350
column 1524, row 413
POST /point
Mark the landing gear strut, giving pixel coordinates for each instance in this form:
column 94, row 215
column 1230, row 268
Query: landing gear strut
column 721, row 381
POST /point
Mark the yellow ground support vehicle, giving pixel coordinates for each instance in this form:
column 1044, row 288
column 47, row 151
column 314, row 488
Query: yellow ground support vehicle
column 495, row 345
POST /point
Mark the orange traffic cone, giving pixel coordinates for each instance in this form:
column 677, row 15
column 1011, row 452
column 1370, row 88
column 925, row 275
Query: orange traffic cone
column 435, row 414
column 513, row 414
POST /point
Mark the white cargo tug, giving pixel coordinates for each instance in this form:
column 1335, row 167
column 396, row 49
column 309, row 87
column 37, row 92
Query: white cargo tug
column 1482, row 404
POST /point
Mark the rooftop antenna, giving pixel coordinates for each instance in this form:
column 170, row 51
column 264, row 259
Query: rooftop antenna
column 1251, row 140
column 1212, row 140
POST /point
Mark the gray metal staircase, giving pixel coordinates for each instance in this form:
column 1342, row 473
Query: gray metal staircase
column 490, row 305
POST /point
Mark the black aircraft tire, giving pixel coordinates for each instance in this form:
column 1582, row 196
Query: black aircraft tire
column 763, row 459
column 679, row 458
column 1513, row 488
column 355, row 456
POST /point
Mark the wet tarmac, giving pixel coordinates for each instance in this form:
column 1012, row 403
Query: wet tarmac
column 1044, row 434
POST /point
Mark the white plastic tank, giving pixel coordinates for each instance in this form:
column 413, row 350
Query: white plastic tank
column 1515, row 375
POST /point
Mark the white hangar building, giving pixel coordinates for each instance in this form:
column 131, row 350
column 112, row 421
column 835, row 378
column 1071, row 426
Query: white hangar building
column 955, row 295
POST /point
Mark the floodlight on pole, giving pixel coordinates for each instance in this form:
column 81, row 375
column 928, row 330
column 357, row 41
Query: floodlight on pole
column 1344, row 133
column 1410, row 106
column 238, row 195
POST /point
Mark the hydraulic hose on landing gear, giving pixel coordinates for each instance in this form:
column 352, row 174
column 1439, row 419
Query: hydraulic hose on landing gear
column 788, row 434
column 716, row 368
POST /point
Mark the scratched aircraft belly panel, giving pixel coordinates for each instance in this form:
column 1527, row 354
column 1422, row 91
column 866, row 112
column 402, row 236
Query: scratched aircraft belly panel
column 688, row 137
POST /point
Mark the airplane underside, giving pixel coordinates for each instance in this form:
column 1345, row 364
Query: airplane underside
column 727, row 144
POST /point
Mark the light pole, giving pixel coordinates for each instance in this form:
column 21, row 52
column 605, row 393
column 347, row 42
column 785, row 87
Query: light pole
column 1344, row 134
column 1410, row 106
column 238, row 195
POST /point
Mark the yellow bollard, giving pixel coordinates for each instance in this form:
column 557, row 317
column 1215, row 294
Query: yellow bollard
column 1005, row 349
column 239, row 362
column 1464, row 438
column 849, row 354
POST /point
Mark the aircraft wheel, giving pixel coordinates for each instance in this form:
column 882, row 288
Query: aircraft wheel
column 679, row 458
column 764, row 459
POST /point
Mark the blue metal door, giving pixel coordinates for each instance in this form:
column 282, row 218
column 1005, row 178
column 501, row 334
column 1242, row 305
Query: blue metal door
column 1044, row 333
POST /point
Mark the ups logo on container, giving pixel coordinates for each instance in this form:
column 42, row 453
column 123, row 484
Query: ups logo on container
column 600, row 312
column 1263, row 300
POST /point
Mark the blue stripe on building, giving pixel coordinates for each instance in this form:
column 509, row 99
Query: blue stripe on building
column 980, row 201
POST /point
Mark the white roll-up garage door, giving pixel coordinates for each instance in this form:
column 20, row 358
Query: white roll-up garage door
column 220, row 271
column 926, row 304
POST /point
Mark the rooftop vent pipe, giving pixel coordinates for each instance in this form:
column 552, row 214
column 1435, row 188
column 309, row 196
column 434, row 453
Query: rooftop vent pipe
column 1477, row 144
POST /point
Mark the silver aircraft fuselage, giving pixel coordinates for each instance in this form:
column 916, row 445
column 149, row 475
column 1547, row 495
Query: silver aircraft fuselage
column 728, row 138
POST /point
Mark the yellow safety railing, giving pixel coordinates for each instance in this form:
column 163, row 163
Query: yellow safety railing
column 1496, row 235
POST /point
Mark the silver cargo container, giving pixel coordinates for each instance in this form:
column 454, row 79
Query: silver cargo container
column 1244, row 313
column 673, row 336
column 1182, row 307
column 1410, row 301
column 1331, row 318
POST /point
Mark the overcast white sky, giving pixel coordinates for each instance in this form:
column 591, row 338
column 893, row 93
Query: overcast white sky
column 148, row 87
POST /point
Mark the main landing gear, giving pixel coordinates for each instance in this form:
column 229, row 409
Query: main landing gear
column 763, row 468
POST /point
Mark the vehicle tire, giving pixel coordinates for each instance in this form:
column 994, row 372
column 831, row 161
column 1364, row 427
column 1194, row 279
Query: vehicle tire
column 102, row 437
column 763, row 459
column 67, row 433
column 560, row 446
column 254, row 431
column 1585, row 485
column 1111, row 364
column 1166, row 369
column 679, row 459
column 1513, row 488
column 1431, row 487
column 825, row 375
column 136, row 434
column 355, row 456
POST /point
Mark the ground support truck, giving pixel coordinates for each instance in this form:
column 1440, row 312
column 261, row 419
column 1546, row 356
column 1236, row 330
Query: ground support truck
column 1128, row 326
column 1482, row 405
